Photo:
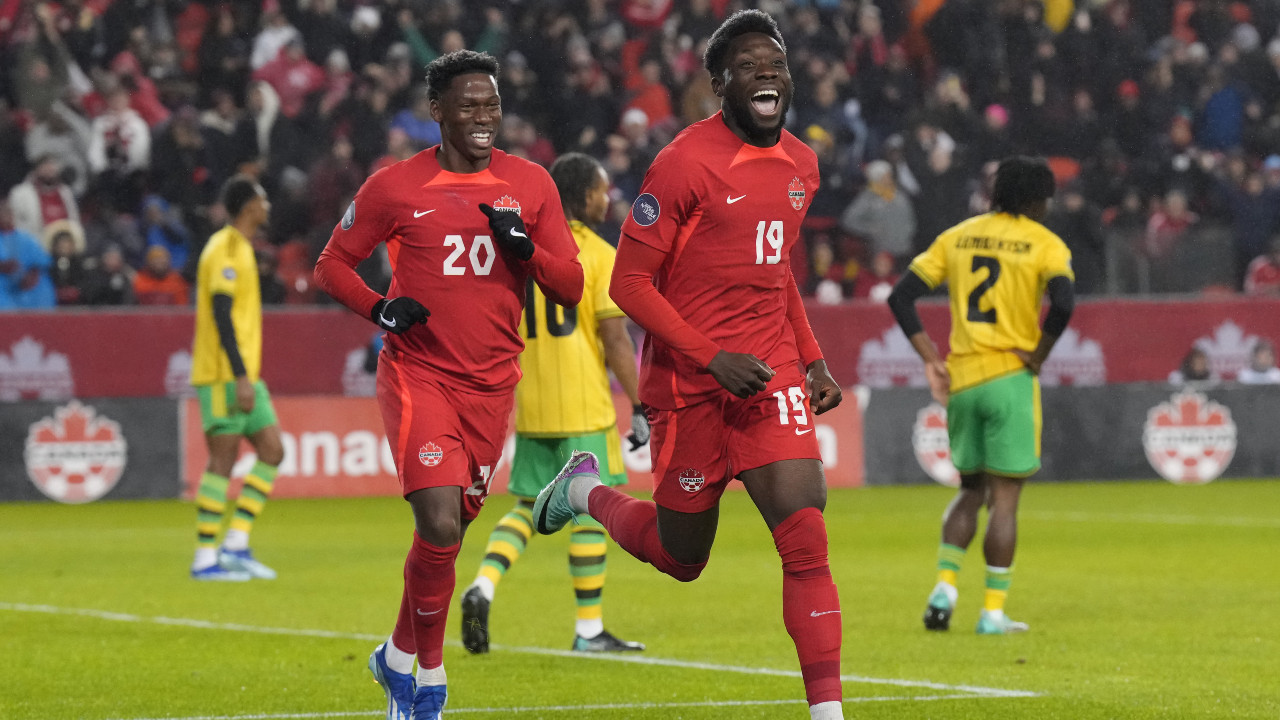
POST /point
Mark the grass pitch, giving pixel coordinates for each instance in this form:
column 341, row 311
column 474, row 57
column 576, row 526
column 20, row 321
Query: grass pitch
column 1145, row 601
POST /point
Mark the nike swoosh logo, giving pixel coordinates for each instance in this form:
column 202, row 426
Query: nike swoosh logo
column 815, row 613
column 433, row 612
column 802, row 432
column 517, row 233
column 420, row 213
column 389, row 322
column 731, row 200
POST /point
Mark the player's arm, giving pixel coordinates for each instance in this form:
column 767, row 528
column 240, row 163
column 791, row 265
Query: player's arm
column 902, row 302
column 553, row 260
column 1062, row 303
column 227, row 335
column 824, row 392
column 620, row 358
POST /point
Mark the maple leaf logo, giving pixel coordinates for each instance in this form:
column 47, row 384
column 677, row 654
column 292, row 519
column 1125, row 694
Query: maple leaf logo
column 795, row 193
column 890, row 361
column 1228, row 349
column 1190, row 439
column 508, row 203
column 75, row 456
column 29, row 373
column 1074, row 361
column 932, row 445
column 692, row 479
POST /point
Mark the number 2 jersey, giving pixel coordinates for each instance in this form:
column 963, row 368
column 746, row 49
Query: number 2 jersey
column 726, row 215
column 997, row 267
column 443, row 255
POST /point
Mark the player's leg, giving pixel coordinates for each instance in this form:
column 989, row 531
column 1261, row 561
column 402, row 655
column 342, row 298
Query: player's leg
column 791, row 495
column 263, row 431
column 222, row 433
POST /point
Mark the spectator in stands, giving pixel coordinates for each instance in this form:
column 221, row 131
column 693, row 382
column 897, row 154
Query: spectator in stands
column 230, row 137
column 223, row 58
column 24, row 267
column 1168, row 225
column 270, row 288
column 157, row 283
column 180, row 168
column 110, row 282
column 1079, row 223
column 876, row 279
column 62, row 134
column 881, row 216
column 1254, row 210
column 43, row 198
column 275, row 35
column 1195, row 369
column 1261, row 369
column 943, row 189
column 120, row 152
column 292, row 76
column 68, row 271
column 161, row 227
column 415, row 121
column 1262, row 279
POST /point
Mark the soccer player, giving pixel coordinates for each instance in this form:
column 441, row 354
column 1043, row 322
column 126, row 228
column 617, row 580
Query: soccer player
column 731, row 374
column 465, row 226
column 234, row 402
column 564, row 404
column 997, row 268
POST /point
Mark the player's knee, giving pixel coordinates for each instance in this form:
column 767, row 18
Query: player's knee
column 801, row 540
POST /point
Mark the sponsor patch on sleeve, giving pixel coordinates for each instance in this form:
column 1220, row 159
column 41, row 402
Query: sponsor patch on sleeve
column 229, row 273
column 645, row 210
column 349, row 217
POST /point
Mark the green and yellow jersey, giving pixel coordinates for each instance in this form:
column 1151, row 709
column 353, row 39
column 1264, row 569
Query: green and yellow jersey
column 996, row 267
column 227, row 267
column 565, row 386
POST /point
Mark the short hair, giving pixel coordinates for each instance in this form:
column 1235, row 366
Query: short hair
column 237, row 192
column 1021, row 181
column 878, row 170
column 574, row 173
column 442, row 70
column 739, row 23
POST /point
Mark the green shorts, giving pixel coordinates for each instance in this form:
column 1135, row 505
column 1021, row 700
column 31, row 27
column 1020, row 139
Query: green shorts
column 219, row 414
column 539, row 459
column 995, row 426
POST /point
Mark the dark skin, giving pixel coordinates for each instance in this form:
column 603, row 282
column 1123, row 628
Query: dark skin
column 754, row 62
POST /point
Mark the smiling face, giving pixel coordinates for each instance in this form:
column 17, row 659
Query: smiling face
column 755, row 88
column 470, row 114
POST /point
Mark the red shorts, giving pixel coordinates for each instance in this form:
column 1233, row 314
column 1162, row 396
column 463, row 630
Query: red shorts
column 698, row 449
column 442, row 438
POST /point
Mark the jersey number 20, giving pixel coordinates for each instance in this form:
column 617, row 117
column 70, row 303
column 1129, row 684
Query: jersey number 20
column 482, row 255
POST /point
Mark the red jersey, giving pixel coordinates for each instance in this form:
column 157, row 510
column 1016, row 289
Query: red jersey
column 1262, row 277
column 725, row 214
column 442, row 254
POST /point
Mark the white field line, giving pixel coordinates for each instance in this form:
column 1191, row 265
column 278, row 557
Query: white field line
column 1156, row 519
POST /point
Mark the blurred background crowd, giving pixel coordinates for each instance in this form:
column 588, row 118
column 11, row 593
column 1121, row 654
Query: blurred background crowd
column 119, row 121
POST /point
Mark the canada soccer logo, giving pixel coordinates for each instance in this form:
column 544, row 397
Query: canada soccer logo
column 1189, row 440
column 75, row 456
column 430, row 454
column 795, row 193
column 932, row 445
column 692, row 480
column 508, row 203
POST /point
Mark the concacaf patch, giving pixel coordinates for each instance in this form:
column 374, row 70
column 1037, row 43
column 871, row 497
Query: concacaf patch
column 229, row 273
column 430, row 454
column 349, row 217
column 645, row 210
column 795, row 193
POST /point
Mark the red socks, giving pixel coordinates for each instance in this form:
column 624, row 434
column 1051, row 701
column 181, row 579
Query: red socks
column 428, row 589
column 633, row 524
column 810, row 605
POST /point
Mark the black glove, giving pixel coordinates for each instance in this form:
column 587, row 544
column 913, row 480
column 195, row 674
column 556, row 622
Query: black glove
column 639, row 427
column 397, row 315
column 508, row 231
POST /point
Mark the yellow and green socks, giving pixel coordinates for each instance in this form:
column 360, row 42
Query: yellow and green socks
column 506, row 543
column 211, row 502
column 998, row 581
column 253, row 496
column 950, row 558
column 587, row 563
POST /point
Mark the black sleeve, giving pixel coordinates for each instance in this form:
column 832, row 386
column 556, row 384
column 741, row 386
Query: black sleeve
column 902, row 301
column 227, row 332
column 1062, row 301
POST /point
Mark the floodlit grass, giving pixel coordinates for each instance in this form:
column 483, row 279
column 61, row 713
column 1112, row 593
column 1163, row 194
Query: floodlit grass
column 1145, row 601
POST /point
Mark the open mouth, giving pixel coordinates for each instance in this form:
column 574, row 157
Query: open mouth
column 766, row 102
column 483, row 138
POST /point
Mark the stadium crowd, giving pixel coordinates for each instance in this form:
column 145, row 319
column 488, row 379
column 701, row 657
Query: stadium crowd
column 120, row 120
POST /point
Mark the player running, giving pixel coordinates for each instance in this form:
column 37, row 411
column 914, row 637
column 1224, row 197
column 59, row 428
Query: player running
column 719, row 211
column 465, row 225
column 997, row 268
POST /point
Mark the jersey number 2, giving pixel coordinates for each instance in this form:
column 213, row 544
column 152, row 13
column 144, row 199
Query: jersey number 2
column 993, row 273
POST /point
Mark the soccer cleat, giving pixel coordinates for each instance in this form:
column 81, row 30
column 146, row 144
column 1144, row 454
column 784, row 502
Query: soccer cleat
column 244, row 561
column 399, row 687
column 937, row 615
column 604, row 642
column 475, row 621
column 551, row 510
column 428, row 702
column 219, row 573
column 996, row 623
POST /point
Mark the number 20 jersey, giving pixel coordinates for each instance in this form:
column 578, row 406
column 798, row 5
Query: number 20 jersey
column 443, row 255
column 727, row 214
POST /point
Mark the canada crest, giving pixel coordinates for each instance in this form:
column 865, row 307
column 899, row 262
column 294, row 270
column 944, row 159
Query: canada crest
column 430, row 454
column 508, row 203
column 692, row 480
column 1189, row 440
column 75, row 456
column 932, row 445
column 795, row 193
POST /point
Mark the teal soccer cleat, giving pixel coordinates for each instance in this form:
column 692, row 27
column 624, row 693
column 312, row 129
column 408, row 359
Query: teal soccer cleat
column 605, row 642
column 428, row 702
column 937, row 614
column 399, row 687
column 552, row 511
column 996, row 623
column 244, row 561
column 217, row 573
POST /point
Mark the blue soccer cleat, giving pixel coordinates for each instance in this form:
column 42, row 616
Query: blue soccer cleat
column 217, row 573
column 399, row 687
column 244, row 561
column 551, row 510
column 428, row 702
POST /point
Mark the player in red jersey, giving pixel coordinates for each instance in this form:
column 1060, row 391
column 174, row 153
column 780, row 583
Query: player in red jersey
column 465, row 225
column 731, row 373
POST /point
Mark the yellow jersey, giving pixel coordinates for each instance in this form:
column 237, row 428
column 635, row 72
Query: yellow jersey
column 227, row 267
column 997, row 267
column 565, row 385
